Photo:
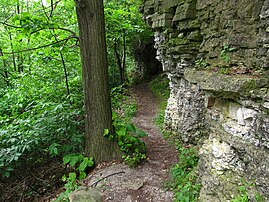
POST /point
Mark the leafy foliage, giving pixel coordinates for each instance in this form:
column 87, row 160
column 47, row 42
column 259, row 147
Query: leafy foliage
column 183, row 180
column 225, row 53
column 79, row 163
column 123, row 104
column 128, row 137
column 201, row 63
column 32, row 125
column 126, row 134
column 40, row 76
column 41, row 110
column 124, row 27
column 244, row 195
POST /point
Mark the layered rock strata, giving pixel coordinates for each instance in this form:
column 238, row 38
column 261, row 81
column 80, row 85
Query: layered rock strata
column 197, row 41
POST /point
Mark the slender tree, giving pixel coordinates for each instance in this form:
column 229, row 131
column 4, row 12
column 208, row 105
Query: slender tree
column 90, row 14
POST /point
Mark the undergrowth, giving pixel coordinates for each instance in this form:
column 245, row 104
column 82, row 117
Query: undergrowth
column 35, row 128
column 126, row 134
column 183, row 180
column 34, row 124
column 244, row 196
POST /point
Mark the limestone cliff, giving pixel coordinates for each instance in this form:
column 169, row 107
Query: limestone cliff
column 197, row 41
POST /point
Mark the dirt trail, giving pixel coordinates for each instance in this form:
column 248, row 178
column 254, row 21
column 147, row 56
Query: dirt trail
column 145, row 182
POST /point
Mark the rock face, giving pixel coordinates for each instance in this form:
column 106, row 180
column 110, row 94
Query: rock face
column 226, row 114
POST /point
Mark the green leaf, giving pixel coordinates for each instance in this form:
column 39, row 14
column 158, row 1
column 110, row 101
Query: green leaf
column 131, row 128
column 82, row 175
column 66, row 159
column 90, row 162
column 6, row 174
column 72, row 176
column 53, row 148
column 106, row 132
column 83, row 164
column 74, row 160
column 121, row 132
column 64, row 178
column 141, row 133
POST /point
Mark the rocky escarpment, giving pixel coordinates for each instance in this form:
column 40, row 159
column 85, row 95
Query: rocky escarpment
column 197, row 41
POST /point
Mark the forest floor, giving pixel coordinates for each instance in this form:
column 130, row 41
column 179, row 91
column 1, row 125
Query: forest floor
column 145, row 182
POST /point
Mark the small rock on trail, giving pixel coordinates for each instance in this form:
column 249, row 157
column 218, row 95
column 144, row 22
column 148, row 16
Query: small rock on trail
column 118, row 182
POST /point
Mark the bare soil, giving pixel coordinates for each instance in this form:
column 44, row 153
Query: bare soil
column 119, row 183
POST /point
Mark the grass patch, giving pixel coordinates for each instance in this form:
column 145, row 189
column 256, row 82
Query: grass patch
column 159, row 119
column 160, row 88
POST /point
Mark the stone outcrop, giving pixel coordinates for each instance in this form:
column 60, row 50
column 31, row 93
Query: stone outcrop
column 85, row 194
column 226, row 114
column 238, row 127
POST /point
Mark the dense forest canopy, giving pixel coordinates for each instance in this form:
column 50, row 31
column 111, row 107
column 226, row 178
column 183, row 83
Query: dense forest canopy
column 40, row 74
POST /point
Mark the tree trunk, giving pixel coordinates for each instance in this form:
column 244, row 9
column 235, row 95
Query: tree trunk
column 5, row 75
column 124, row 58
column 65, row 76
column 91, row 23
column 12, row 50
column 120, row 60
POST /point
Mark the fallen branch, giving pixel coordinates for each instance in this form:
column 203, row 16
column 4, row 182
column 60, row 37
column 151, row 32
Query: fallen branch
column 95, row 183
column 22, row 193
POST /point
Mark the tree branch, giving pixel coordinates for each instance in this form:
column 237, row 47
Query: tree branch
column 49, row 7
column 43, row 46
column 6, row 24
column 53, row 28
column 2, row 75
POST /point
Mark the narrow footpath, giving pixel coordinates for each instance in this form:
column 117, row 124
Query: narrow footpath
column 144, row 183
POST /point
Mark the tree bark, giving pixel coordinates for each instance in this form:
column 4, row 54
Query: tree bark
column 124, row 58
column 5, row 75
column 120, row 59
column 90, row 14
